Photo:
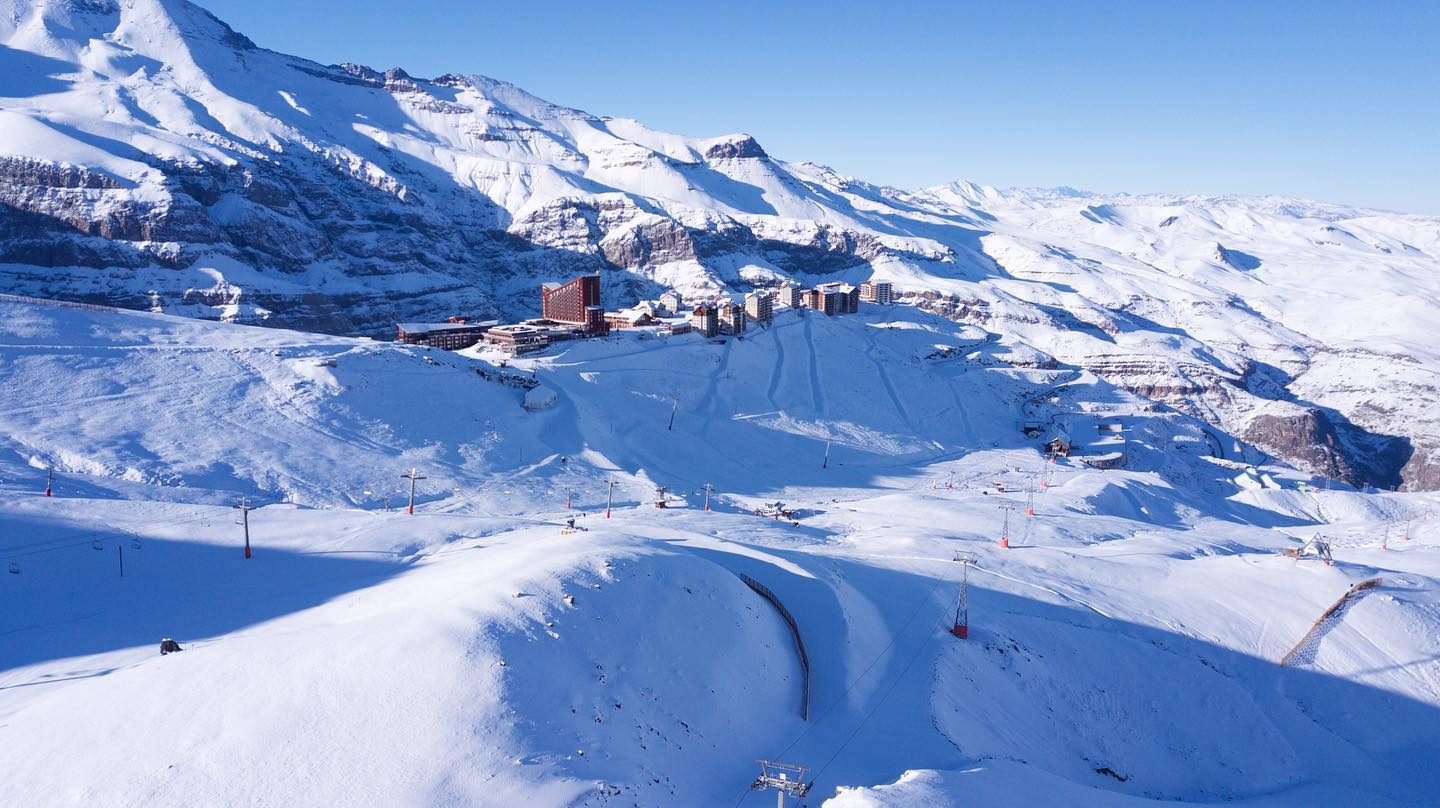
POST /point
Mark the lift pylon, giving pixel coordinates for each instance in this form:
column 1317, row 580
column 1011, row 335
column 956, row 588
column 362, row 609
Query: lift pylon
column 961, row 628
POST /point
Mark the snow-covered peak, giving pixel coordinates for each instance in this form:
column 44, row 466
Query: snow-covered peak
column 965, row 192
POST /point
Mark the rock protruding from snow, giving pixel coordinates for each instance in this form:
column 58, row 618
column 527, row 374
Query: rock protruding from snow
column 1235, row 259
column 735, row 147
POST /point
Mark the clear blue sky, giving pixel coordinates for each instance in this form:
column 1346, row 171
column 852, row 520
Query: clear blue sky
column 1325, row 100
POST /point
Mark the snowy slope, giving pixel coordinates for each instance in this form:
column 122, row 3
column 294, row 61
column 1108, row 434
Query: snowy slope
column 155, row 159
column 1122, row 651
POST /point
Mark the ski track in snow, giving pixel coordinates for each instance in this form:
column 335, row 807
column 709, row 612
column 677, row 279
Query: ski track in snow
column 870, row 351
column 817, row 394
column 777, row 368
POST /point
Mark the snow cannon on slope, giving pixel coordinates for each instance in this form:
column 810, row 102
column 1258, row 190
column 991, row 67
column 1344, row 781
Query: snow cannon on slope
column 1317, row 548
column 775, row 510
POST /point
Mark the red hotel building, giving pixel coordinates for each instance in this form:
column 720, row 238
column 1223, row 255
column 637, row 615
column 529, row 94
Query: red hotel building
column 567, row 302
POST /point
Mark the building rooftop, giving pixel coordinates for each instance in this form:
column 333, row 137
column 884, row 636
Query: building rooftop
column 518, row 328
column 422, row 328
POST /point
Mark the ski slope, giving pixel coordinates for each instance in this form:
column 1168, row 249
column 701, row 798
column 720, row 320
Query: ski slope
column 1122, row 652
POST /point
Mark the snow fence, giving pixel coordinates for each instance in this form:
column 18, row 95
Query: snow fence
column 1304, row 651
column 763, row 591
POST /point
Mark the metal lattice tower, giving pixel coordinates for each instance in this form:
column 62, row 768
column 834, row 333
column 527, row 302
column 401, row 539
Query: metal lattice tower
column 961, row 628
column 1005, row 530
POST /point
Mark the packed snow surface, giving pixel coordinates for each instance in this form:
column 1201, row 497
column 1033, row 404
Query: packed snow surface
column 1123, row 650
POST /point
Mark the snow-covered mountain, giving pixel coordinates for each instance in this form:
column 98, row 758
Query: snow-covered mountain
column 151, row 157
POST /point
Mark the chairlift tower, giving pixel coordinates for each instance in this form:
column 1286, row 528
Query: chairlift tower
column 244, row 507
column 708, row 489
column 1005, row 530
column 961, row 628
column 412, row 476
column 787, row 779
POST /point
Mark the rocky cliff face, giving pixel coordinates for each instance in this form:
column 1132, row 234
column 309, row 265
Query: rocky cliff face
column 225, row 180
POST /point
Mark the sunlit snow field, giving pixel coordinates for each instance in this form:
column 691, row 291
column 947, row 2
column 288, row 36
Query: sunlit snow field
column 1123, row 650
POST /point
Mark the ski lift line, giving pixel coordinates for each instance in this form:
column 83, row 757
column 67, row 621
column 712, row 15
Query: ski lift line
column 920, row 646
column 62, row 537
column 926, row 596
column 1054, row 592
column 123, row 529
column 87, row 536
column 81, row 543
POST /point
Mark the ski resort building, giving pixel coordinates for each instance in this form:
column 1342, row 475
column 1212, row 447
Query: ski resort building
column 629, row 318
column 518, row 339
column 881, row 293
column 570, row 302
column 732, row 318
column 704, row 320
column 673, row 302
column 1058, row 445
column 814, row 299
column 458, row 333
column 595, row 325
column 846, row 297
column 833, row 298
column 790, row 295
column 759, row 306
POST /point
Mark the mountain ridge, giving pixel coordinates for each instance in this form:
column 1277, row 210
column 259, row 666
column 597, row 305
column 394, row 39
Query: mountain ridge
column 156, row 159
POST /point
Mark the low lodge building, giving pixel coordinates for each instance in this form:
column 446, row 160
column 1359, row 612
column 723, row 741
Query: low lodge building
column 518, row 338
column 458, row 333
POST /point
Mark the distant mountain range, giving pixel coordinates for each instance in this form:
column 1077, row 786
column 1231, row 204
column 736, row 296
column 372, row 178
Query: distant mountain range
column 151, row 157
